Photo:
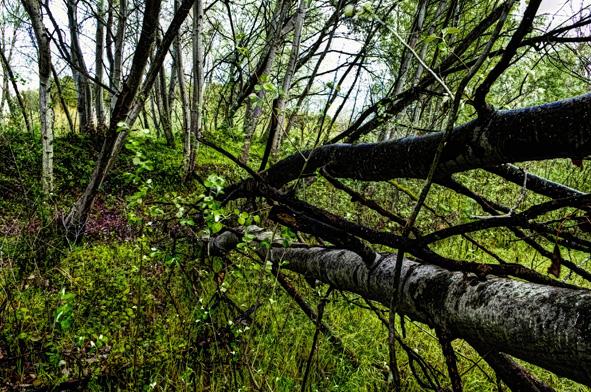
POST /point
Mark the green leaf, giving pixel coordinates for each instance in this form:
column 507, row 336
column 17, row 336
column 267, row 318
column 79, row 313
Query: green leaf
column 349, row 11
column 451, row 31
column 431, row 38
column 216, row 227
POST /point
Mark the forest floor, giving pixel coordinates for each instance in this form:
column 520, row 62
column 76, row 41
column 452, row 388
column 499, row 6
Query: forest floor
column 138, row 305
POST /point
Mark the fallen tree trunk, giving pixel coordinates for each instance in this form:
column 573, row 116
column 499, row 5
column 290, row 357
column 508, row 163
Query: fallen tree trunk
column 554, row 130
column 547, row 326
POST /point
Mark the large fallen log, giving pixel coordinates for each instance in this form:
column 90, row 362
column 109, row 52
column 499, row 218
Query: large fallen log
column 547, row 326
column 554, row 130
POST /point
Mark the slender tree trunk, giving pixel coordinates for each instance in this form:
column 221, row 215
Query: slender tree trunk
column 407, row 57
column 33, row 9
column 289, row 73
column 329, row 30
column 172, row 81
column 9, row 75
column 5, row 96
column 156, row 109
column 198, row 79
column 99, row 103
column 115, row 71
column 164, row 106
column 188, row 136
column 254, row 111
column 79, row 71
column 62, row 101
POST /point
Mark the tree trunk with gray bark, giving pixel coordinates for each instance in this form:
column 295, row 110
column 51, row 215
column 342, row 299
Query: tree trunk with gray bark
column 547, row 326
column 555, row 130
column 99, row 102
column 80, row 72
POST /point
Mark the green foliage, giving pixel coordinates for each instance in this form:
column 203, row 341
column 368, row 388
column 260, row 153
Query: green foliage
column 68, row 89
column 152, row 312
column 64, row 314
column 155, row 310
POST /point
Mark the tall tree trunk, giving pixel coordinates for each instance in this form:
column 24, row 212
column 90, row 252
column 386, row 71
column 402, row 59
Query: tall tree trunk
column 155, row 108
column 188, row 136
column 198, row 79
column 62, row 101
column 33, row 9
column 99, row 104
column 263, row 69
column 407, row 57
column 79, row 72
column 163, row 105
column 117, row 63
column 277, row 125
column 172, row 81
column 254, row 110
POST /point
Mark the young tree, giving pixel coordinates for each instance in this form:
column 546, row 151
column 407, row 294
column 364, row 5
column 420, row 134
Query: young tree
column 198, row 76
column 33, row 9
column 99, row 104
column 80, row 72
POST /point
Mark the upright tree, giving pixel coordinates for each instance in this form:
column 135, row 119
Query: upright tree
column 80, row 72
column 33, row 9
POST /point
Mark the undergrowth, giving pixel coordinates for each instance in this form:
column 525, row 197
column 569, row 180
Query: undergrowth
column 141, row 305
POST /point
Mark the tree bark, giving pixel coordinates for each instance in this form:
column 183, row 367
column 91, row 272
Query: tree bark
column 117, row 63
column 9, row 75
column 554, row 130
column 33, row 10
column 546, row 326
column 254, row 110
column 198, row 80
column 161, row 94
column 277, row 126
column 62, row 101
column 407, row 56
column 79, row 72
column 188, row 137
column 127, row 108
column 99, row 104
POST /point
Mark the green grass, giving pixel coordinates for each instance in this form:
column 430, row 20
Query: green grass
column 149, row 312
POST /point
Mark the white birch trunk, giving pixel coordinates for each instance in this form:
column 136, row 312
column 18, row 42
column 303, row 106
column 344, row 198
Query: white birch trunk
column 32, row 8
